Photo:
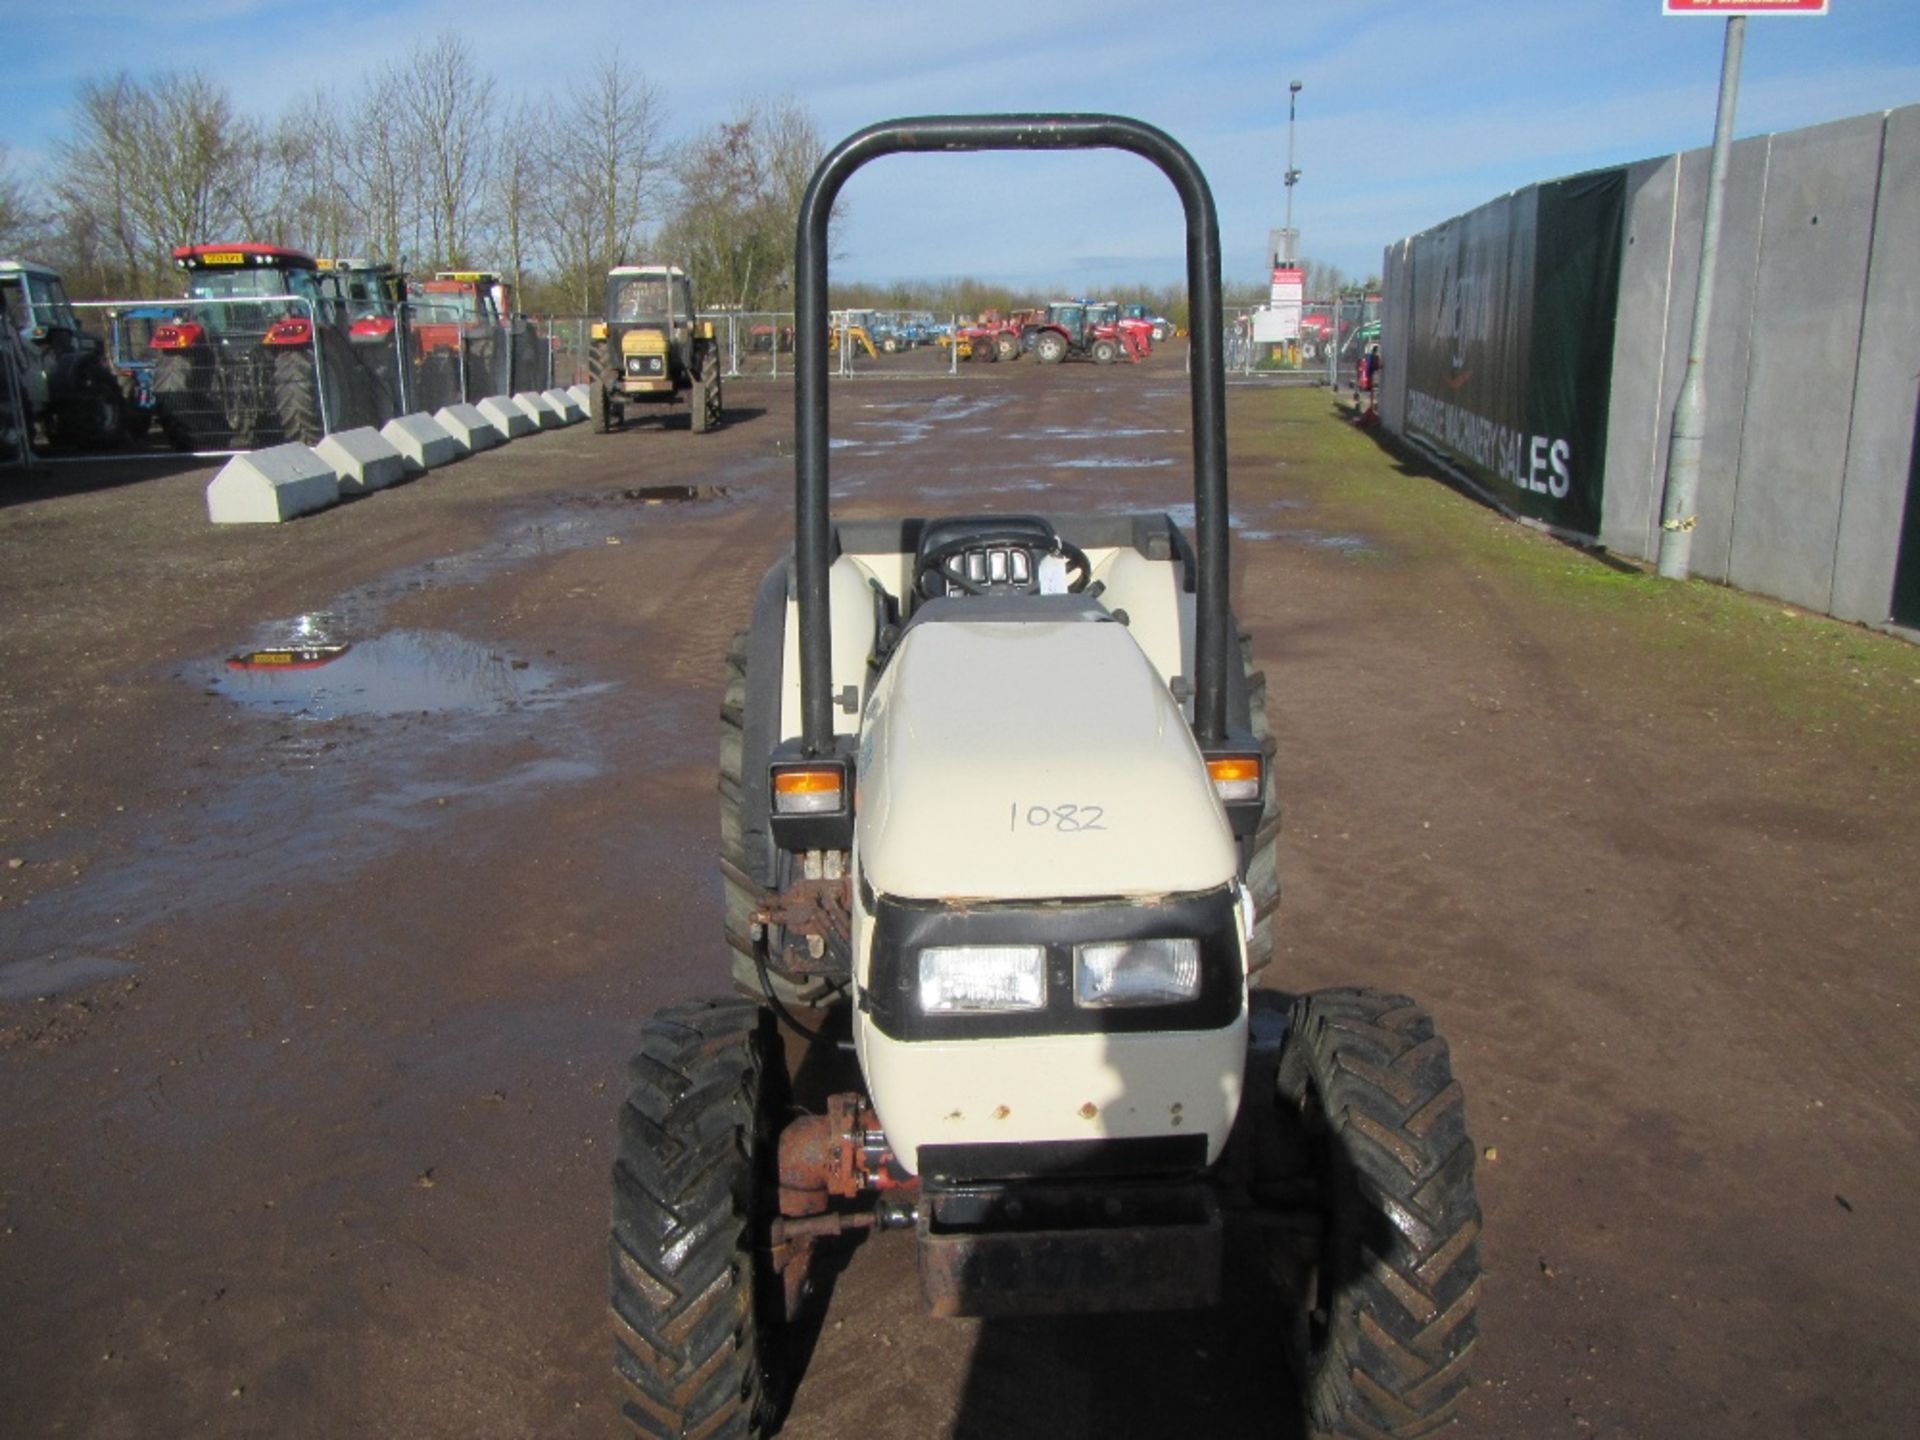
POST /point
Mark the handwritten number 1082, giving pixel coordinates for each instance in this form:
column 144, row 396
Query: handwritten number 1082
column 1062, row 819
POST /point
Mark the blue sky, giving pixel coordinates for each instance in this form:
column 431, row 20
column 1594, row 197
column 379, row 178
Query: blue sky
column 1413, row 110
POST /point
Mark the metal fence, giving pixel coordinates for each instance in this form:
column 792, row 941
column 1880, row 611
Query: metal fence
column 1327, row 351
column 758, row 345
column 218, row 376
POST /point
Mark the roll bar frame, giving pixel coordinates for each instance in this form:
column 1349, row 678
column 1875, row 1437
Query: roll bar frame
column 812, row 524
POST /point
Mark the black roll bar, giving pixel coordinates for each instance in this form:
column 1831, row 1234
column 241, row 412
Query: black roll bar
column 812, row 531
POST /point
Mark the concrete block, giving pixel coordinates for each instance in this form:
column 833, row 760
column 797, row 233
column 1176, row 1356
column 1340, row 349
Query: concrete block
column 423, row 444
column 570, row 411
column 537, row 409
column 472, row 430
column 362, row 460
column 583, row 397
column 267, row 486
column 508, row 418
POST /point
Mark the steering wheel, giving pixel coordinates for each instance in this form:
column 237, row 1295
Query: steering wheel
column 936, row 568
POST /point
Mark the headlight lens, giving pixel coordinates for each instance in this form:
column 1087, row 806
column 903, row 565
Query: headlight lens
column 1136, row 972
column 960, row 978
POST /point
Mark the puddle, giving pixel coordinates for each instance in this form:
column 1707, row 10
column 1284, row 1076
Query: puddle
column 1098, row 432
column 1355, row 545
column 402, row 672
column 32, row 979
column 1108, row 462
column 1319, row 540
column 670, row 494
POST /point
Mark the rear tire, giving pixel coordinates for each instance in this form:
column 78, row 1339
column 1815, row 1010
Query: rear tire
column 173, row 398
column 597, row 406
column 94, row 416
column 296, row 396
column 695, row 1311
column 1387, row 1310
column 1049, row 348
column 1261, row 873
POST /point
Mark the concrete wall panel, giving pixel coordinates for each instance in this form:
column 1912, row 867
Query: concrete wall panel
column 1880, row 449
column 1728, row 334
column 1630, row 506
column 1809, row 293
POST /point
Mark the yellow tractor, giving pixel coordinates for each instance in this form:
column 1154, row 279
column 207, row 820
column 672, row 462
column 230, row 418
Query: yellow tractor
column 653, row 350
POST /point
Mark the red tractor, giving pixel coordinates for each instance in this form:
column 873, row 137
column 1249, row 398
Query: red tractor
column 456, row 326
column 467, row 316
column 1078, row 330
column 1112, row 327
column 259, row 353
column 374, row 295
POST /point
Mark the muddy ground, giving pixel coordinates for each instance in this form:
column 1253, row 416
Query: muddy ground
column 313, row 1007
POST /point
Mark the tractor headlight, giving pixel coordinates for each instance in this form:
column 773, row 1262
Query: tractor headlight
column 1113, row 973
column 962, row 978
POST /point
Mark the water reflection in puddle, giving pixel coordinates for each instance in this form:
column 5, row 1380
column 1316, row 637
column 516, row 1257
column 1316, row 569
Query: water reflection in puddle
column 402, row 672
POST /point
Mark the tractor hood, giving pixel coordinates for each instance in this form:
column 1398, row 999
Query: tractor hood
column 1012, row 760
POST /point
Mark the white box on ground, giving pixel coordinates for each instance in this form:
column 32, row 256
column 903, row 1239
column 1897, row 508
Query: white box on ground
column 362, row 460
column 508, row 418
column 422, row 444
column 267, row 486
column 570, row 410
column 470, row 429
column 537, row 408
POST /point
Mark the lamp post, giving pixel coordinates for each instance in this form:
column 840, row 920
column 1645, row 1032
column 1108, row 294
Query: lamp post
column 1293, row 176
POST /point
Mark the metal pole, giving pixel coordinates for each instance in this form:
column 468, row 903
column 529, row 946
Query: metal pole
column 953, row 343
column 1677, row 517
column 1293, row 176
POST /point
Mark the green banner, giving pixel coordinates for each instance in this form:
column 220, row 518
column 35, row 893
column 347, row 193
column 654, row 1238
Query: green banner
column 1511, row 357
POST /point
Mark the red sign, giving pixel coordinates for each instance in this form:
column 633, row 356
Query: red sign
column 1743, row 7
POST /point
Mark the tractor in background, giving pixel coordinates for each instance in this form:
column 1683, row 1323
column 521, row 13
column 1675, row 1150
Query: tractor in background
column 1079, row 330
column 374, row 294
column 260, row 352
column 1161, row 327
column 66, row 388
column 455, row 320
column 652, row 351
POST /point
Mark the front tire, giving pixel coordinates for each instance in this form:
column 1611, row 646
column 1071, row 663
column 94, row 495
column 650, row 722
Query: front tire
column 1105, row 352
column 1006, row 346
column 694, row 1311
column 1387, row 1311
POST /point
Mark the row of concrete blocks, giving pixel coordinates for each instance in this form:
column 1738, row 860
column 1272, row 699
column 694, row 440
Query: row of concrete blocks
column 267, row 486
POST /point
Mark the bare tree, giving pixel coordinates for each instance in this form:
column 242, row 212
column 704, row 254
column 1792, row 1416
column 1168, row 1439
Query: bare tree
column 300, row 194
column 606, row 177
column 446, row 107
column 380, row 166
column 22, row 226
column 98, row 170
column 519, row 174
column 740, row 186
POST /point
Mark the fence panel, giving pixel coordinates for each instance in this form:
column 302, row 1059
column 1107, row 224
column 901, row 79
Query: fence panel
column 232, row 374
